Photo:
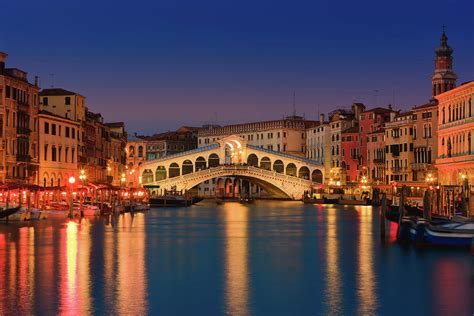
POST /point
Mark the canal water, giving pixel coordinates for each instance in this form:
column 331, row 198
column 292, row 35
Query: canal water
column 270, row 258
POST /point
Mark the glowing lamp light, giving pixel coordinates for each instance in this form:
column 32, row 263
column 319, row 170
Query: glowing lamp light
column 72, row 180
column 63, row 193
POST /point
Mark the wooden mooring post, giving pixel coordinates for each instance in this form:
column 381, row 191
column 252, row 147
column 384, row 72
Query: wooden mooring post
column 383, row 210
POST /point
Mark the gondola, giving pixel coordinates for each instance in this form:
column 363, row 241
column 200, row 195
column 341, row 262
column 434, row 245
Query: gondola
column 451, row 233
column 393, row 214
column 9, row 211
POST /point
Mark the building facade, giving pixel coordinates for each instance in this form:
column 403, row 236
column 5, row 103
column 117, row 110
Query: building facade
column 425, row 141
column 318, row 143
column 376, row 157
column 399, row 148
column 287, row 135
column 455, row 132
column 18, row 125
column 57, row 149
column 116, row 159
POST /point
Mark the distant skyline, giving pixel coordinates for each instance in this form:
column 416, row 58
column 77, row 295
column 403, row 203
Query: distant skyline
column 158, row 65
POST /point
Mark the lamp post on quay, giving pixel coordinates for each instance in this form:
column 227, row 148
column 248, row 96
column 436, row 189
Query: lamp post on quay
column 71, row 181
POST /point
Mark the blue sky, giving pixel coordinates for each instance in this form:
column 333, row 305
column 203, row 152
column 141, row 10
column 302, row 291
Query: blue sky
column 158, row 65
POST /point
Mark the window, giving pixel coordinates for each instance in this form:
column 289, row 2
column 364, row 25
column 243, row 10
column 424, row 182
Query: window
column 8, row 92
column 45, row 101
column 45, row 152
column 67, row 131
column 46, row 127
column 59, row 153
column 53, row 153
column 72, row 154
column 53, row 129
column 73, row 132
column 67, row 101
column 66, row 154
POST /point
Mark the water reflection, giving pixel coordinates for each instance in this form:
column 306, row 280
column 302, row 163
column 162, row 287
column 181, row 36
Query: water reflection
column 333, row 275
column 75, row 286
column 452, row 288
column 366, row 277
column 131, row 273
column 242, row 259
column 236, row 259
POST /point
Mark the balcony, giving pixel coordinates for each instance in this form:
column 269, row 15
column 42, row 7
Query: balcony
column 23, row 131
column 418, row 166
column 379, row 160
column 456, row 123
column 23, row 158
column 467, row 157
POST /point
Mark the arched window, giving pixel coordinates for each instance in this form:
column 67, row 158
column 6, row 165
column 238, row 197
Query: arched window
column 187, row 167
column 265, row 163
column 200, row 163
column 174, row 170
column 160, row 173
column 140, row 151
column 278, row 166
column 252, row 160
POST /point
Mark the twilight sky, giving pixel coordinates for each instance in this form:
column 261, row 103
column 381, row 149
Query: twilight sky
column 159, row 64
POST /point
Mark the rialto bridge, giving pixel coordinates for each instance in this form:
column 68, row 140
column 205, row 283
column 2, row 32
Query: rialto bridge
column 279, row 174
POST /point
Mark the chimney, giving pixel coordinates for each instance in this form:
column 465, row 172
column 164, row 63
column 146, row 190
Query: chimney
column 3, row 57
column 321, row 118
column 36, row 81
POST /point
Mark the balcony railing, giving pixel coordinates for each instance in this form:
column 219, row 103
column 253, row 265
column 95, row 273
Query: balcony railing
column 379, row 160
column 23, row 130
column 23, row 158
column 417, row 166
column 456, row 123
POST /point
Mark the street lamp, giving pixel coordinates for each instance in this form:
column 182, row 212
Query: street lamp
column 71, row 181
column 122, row 178
column 82, row 175
column 430, row 179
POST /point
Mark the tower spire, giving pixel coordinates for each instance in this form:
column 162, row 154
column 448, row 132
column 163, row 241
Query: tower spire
column 444, row 78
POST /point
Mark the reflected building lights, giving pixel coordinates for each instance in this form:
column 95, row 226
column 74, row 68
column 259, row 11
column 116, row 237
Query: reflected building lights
column 236, row 259
column 333, row 274
column 131, row 275
column 367, row 296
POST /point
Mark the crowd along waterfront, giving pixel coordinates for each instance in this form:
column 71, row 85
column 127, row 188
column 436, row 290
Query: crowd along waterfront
column 278, row 258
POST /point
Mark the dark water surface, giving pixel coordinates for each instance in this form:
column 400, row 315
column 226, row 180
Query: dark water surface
column 271, row 258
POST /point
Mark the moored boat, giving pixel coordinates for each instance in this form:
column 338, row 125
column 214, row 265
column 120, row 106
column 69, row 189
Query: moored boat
column 449, row 233
column 9, row 211
column 173, row 201
column 19, row 216
column 352, row 202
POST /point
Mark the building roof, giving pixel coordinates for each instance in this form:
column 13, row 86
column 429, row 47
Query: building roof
column 115, row 124
column 379, row 110
column 44, row 112
column 56, row 91
column 134, row 138
column 353, row 129
column 426, row 105
column 404, row 113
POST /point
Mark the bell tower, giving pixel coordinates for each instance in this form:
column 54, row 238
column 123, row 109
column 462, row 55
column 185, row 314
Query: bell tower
column 444, row 78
